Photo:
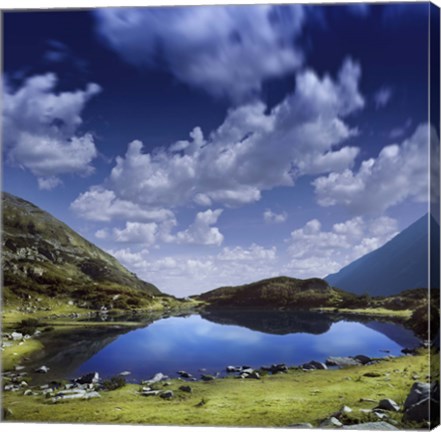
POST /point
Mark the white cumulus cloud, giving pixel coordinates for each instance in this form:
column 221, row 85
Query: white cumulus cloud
column 136, row 232
column 225, row 50
column 251, row 151
column 40, row 129
column 201, row 230
column 316, row 252
column 270, row 217
column 399, row 172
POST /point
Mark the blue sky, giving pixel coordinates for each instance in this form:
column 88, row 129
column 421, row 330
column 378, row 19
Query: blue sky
column 218, row 145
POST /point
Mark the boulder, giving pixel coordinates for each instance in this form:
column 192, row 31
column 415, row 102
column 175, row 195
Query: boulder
column 157, row 378
column 166, row 395
column 42, row 369
column 275, row 368
column 232, row 369
column 16, row 336
column 186, row 389
column 388, row 405
column 362, row 359
column 207, row 377
column 342, row 361
column 125, row 373
column 381, row 425
column 418, row 392
column 184, row 374
column 150, row 393
column 90, row 378
column 253, row 375
column 314, row 365
column 330, row 422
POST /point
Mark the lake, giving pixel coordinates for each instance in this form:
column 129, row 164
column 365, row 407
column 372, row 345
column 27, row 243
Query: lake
column 209, row 342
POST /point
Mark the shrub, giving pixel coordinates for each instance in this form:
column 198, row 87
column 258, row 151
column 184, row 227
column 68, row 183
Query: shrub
column 28, row 326
column 114, row 383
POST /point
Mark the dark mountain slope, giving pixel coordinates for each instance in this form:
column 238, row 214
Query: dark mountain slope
column 43, row 255
column 276, row 293
column 400, row 264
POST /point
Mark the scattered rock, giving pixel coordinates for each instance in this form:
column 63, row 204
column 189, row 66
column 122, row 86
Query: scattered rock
column 207, row 377
column 157, row 378
column 341, row 361
column 150, row 393
column 409, row 351
column 125, row 373
column 367, row 400
column 388, row 405
column 184, row 374
column 365, row 410
column 186, row 389
column 275, row 368
column 42, row 369
column 314, row 365
column 381, row 425
column 90, row 378
column 380, row 415
column 345, row 410
column 16, row 336
column 19, row 368
column 331, row 422
column 232, row 369
column 300, row 426
column 166, row 395
column 362, row 359
column 418, row 392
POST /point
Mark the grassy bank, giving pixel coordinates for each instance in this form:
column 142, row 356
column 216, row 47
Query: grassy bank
column 374, row 312
column 275, row 401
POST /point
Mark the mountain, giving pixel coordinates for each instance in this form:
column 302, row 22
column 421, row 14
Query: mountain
column 44, row 257
column 400, row 264
column 278, row 292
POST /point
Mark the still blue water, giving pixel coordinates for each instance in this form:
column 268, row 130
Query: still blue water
column 194, row 343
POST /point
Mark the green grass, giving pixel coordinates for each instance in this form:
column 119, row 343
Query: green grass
column 13, row 355
column 274, row 401
column 377, row 311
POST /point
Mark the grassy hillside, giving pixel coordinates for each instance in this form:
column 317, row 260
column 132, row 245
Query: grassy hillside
column 279, row 292
column 44, row 258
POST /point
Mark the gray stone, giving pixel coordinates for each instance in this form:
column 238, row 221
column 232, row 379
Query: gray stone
column 186, row 389
column 19, row 368
column 418, row 412
column 206, row 377
column 300, row 426
column 342, row 361
column 418, row 392
column 125, row 373
column 157, row 378
column 150, row 393
column 16, row 336
column 91, row 395
column 314, row 365
column 388, row 405
column 362, row 359
column 166, row 395
column 184, row 374
column 42, row 369
column 90, row 378
column 381, row 425
column 232, row 369
column 331, row 422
